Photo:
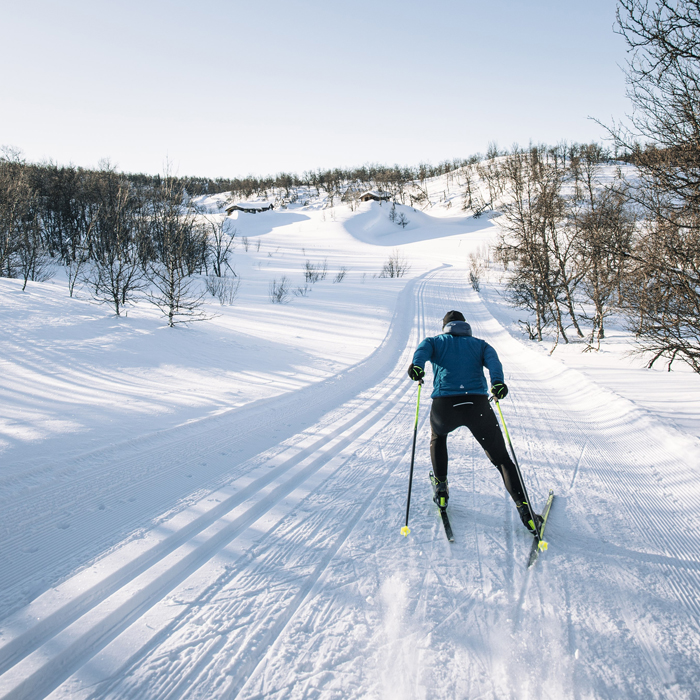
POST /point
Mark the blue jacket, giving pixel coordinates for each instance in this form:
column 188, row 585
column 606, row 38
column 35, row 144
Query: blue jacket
column 458, row 361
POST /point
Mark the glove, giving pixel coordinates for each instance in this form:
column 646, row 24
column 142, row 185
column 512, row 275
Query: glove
column 415, row 372
column 499, row 390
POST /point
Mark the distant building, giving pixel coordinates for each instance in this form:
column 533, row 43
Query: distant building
column 249, row 207
column 376, row 195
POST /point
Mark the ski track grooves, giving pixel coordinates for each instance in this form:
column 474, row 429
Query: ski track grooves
column 42, row 644
column 624, row 460
column 129, row 470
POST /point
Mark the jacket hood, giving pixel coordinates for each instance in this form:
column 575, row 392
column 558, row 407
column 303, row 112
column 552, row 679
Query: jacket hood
column 458, row 328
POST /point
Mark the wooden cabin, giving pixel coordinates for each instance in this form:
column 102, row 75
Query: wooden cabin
column 249, row 207
column 375, row 195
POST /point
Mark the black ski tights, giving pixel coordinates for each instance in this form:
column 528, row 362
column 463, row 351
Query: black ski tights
column 474, row 412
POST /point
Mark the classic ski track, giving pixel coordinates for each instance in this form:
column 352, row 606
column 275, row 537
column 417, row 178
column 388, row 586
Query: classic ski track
column 261, row 633
column 389, row 438
column 270, row 636
column 203, row 522
column 126, row 470
column 245, row 674
column 679, row 568
column 178, row 451
column 20, row 650
column 462, row 603
column 496, row 574
column 174, row 692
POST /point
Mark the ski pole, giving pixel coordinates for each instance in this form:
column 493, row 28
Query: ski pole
column 405, row 530
column 541, row 543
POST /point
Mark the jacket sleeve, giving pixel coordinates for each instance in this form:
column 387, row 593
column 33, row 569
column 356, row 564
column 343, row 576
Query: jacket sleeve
column 493, row 364
column 423, row 353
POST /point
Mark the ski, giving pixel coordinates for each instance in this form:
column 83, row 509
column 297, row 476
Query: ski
column 441, row 503
column 446, row 524
column 538, row 542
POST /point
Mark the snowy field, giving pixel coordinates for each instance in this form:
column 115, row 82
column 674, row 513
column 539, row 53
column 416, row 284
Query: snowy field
column 214, row 511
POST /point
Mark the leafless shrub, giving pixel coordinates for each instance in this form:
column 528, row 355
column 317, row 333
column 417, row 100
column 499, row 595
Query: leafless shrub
column 476, row 269
column 315, row 272
column 225, row 288
column 527, row 327
column 340, row 275
column 395, row 266
column 279, row 291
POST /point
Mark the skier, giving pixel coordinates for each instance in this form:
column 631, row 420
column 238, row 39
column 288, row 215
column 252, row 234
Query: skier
column 460, row 398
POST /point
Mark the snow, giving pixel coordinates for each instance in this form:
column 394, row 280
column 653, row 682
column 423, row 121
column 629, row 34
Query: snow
column 214, row 511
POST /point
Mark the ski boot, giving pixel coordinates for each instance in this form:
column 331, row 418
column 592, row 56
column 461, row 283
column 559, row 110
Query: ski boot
column 524, row 513
column 441, row 492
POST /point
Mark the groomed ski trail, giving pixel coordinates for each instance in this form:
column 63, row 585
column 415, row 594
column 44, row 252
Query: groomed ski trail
column 64, row 627
column 292, row 580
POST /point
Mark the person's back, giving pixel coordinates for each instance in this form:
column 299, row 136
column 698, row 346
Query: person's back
column 458, row 360
column 460, row 398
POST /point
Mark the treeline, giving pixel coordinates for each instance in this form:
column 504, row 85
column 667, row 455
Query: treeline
column 122, row 239
column 61, row 183
column 341, row 183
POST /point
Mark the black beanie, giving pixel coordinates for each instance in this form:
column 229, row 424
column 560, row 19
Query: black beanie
column 452, row 316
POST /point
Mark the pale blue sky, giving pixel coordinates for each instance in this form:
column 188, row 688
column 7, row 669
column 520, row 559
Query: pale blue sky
column 229, row 88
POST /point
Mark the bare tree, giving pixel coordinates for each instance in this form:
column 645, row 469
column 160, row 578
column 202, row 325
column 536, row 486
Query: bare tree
column 33, row 261
column 76, row 267
column 220, row 241
column 533, row 212
column 493, row 175
column 115, row 275
column 663, row 301
column 180, row 248
column 663, row 76
column 603, row 230
column 469, row 189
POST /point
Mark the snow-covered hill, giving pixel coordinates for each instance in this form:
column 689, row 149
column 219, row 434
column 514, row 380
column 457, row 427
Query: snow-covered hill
column 213, row 511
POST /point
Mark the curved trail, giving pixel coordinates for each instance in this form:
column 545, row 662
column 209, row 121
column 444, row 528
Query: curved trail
column 97, row 499
column 291, row 579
